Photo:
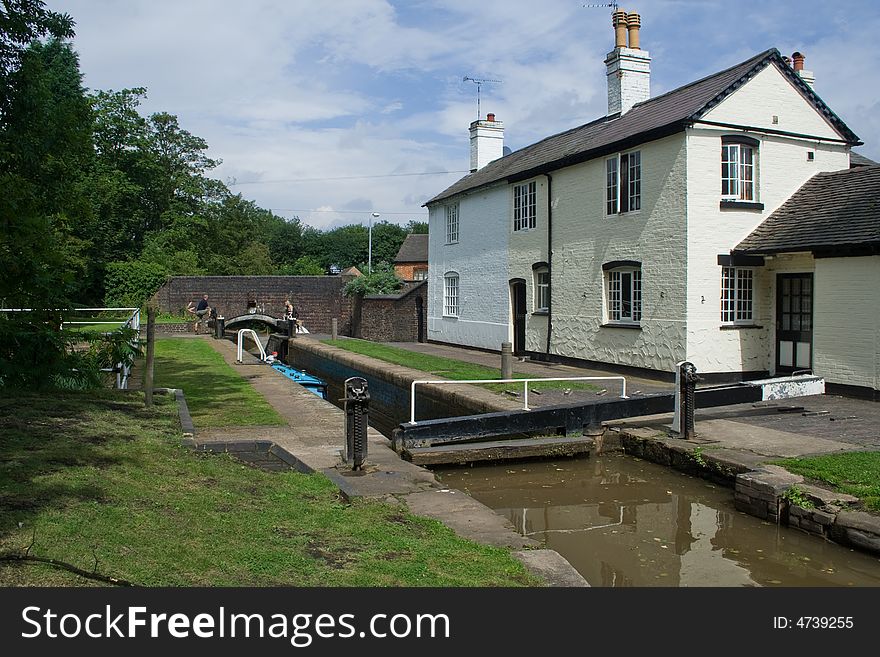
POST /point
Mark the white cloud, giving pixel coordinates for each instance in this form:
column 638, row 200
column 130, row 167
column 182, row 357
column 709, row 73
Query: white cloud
column 302, row 90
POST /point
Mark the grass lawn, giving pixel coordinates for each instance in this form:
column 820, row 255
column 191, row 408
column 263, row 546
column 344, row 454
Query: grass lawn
column 448, row 368
column 92, row 478
column 855, row 473
column 217, row 396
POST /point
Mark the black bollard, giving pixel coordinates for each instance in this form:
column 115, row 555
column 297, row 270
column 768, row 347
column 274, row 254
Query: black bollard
column 219, row 327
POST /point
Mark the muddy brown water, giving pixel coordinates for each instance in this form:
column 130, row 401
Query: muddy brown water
column 621, row 521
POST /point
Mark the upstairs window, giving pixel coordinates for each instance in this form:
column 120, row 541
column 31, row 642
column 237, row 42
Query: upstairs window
column 525, row 214
column 739, row 161
column 624, row 294
column 737, row 288
column 623, row 183
column 452, row 223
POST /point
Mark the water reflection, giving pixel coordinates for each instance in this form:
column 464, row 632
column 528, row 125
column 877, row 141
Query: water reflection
column 625, row 522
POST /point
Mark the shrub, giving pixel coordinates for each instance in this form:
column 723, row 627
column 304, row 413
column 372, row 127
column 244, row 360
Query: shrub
column 131, row 283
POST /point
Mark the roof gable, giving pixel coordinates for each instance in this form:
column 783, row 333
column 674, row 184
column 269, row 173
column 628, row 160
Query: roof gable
column 413, row 249
column 652, row 119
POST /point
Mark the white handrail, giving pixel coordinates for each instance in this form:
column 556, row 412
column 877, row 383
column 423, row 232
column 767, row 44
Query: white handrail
column 525, row 382
column 253, row 334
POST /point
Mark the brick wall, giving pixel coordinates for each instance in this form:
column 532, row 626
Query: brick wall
column 407, row 270
column 317, row 299
column 393, row 318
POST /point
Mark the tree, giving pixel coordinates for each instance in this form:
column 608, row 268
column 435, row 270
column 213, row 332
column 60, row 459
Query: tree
column 387, row 238
column 416, row 227
column 304, row 266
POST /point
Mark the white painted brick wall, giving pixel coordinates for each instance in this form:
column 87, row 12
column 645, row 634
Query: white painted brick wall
column 782, row 169
column 584, row 238
column 770, row 93
column 629, row 78
column 846, row 342
column 480, row 258
column 528, row 247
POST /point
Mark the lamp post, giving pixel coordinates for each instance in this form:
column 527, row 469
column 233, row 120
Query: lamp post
column 375, row 215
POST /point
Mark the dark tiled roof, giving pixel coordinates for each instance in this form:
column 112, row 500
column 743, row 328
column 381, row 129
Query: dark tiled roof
column 413, row 249
column 859, row 160
column 651, row 119
column 837, row 211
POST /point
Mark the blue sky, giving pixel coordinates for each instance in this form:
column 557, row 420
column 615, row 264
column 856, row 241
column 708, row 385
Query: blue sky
column 332, row 110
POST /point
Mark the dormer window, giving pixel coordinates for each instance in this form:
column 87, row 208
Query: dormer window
column 739, row 167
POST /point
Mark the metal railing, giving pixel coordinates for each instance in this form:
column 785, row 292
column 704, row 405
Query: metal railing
column 122, row 370
column 242, row 333
column 525, row 382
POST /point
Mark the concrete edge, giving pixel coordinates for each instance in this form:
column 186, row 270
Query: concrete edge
column 760, row 490
column 550, row 566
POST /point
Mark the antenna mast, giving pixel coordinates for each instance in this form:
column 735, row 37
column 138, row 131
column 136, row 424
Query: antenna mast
column 479, row 83
column 613, row 5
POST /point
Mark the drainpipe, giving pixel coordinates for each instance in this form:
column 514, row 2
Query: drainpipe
column 549, row 258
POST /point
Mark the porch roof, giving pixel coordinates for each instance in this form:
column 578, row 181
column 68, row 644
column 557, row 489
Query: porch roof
column 832, row 214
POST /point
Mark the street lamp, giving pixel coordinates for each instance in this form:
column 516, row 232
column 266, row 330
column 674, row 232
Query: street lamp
column 375, row 215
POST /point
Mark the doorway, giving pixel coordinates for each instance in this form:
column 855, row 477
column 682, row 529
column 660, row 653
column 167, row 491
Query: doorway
column 794, row 322
column 518, row 310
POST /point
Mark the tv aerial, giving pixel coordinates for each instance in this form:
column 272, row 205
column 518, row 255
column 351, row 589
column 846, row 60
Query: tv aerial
column 613, row 5
column 479, row 83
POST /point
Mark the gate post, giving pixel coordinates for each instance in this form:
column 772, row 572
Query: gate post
column 219, row 327
column 685, row 399
column 357, row 404
column 506, row 360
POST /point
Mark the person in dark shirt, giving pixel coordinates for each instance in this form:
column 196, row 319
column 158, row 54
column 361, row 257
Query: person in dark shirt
column 201, row 311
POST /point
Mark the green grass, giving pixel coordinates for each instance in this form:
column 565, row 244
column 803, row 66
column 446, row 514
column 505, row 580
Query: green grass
column 97, row 477
column 217, row 396
column 855, row 473
column 448, row 368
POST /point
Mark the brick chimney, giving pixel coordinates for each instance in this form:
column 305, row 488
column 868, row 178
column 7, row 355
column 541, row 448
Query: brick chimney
column 487, row 141
column 797, row 63
column 628, row 67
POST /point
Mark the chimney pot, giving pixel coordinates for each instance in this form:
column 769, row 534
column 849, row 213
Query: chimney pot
column 798, row 60
column 633, row 23
column 618, row 20
column 490, row 117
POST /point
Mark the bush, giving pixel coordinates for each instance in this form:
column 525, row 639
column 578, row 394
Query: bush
column 129, row 284
column 382, row 280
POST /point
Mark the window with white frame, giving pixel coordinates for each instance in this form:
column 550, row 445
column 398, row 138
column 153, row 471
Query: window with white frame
column 452, row 223
column 420, row 274
column 739, row 160
column 737, row 289
column 450, row 295
column 623, row 183
column 542, row 289
column 525, row 206
column 624, row 294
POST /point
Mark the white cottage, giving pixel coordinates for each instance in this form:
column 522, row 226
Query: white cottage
column 616, row 242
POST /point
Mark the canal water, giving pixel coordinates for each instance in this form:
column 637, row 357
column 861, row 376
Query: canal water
column 621, row 521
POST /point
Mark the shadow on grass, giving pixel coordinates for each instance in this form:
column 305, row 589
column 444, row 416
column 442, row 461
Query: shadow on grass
column 51, row 447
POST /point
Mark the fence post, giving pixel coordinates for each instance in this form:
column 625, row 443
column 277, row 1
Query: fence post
column 334, row 325
column 506, row 360
column 151, row 345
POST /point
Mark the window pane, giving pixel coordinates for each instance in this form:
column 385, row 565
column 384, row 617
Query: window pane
column 611, row 186
column 626, row 295
column 635, row 181
column 624, row 183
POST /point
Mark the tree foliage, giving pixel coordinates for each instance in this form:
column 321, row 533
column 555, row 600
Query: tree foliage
column 382, row 280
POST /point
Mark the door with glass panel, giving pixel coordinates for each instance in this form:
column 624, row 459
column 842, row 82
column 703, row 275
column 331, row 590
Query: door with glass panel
column 794, row 322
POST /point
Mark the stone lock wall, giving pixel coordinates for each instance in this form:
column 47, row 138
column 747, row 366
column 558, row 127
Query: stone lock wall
column 317, row 299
